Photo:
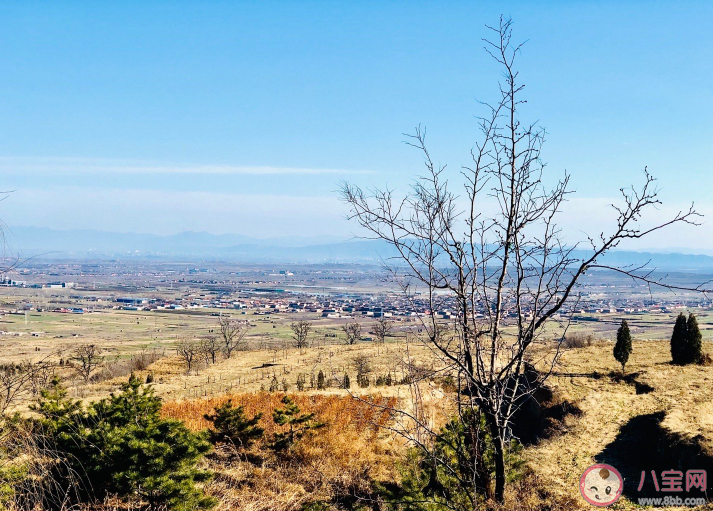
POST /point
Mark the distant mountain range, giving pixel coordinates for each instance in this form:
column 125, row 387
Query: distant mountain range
column 44, row 243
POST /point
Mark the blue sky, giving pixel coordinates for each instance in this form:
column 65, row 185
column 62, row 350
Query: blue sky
column 244, row 116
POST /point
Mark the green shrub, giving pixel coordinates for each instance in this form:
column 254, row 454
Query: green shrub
column 121, row 446
column 297, row 423
column 455, row 472
column 231, row 425
column 301, row 382
column 678, row 339
column 693, row 341
column 363, row 380
column 274, row 384
column 686, row 341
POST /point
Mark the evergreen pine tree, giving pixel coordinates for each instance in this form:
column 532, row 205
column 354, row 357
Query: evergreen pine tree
column 301, row 382
column 622, row 348
column 692, row 353
column 679, row 339
column 231, row 425
column 298, row 424
column 433, row 479
column 122, row 446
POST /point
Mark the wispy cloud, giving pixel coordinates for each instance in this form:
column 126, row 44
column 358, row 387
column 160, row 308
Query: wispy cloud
column 63, row 165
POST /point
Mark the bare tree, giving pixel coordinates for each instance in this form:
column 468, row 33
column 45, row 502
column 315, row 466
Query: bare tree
column 210, row 348
column 13, row 384
column 352, row 331
column 87, row 358
column 382, row 329
column 301, row 330
column 20, row 380
column 189, row 351
column 41, row 374
column 232, row 334
column 512, row 263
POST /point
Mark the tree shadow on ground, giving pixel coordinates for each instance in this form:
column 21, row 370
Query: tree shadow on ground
column 632, row 379
column 644, row 445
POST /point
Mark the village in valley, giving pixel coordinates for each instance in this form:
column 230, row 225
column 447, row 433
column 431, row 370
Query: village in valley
column 327, row 294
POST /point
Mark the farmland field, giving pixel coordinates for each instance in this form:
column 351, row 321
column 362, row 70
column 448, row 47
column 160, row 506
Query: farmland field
column 360, row 446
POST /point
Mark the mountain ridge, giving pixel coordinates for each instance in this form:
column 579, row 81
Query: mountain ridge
column 46, row 243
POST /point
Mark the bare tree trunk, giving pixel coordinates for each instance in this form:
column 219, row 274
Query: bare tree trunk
column 475, row 443
column 498, row 455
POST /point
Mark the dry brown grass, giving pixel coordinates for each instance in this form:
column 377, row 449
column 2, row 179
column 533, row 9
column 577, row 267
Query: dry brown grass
column 252, row 371
column 338, row 412
column 337, row 463
column 684, row 394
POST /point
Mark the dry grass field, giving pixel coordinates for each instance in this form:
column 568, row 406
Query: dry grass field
column 609, row 427
column 655, row 407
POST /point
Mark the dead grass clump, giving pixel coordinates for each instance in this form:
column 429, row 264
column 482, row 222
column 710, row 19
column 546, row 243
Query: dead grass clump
column 336, row 468
column 532, row 493
column 577, row 340
column 706, row 360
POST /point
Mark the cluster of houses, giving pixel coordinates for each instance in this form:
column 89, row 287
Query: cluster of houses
column 262, row 302
column 265, row 292
column 8, row 282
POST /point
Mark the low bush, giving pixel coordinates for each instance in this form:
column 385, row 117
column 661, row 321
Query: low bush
column 296, row 424
column 230, row 424
column 577, row 340
column 121, row 446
